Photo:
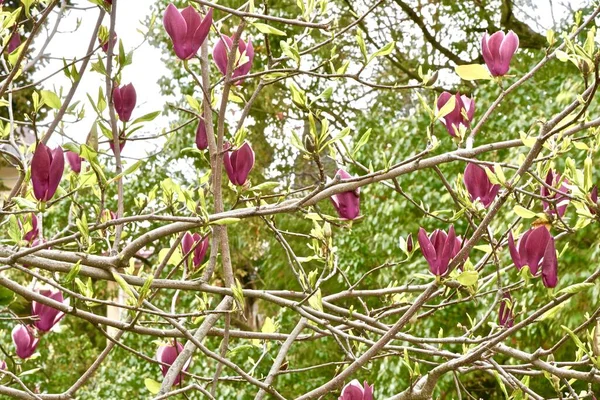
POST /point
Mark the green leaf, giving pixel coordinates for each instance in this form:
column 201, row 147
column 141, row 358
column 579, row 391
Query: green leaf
column 152, row 385
column 146, row 118
column 361, row 142
column 123, row 284
column 384, row 51
column 446, row 108
column 468, row 278
column 576, row 288
column 523, row 212
column 361, row 43
column 72, row 273
column 50, row 99
column 264, row 28
column 265, row 186
column 472, row 72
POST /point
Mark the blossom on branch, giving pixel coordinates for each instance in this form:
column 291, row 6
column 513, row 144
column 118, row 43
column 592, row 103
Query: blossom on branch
column 167, row 354
column 24, row 340
column 187, row 29
column 497, row 50
column 46, row 171
column 439, row 249
column 355, row 391
column 124, row 99
column 460, row 117
column 48, row 316
column 536, row 249
column 244, row 56
column 238, row 164
column 347, row 204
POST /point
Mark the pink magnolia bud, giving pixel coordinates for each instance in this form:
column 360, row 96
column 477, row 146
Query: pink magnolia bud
column 242, row 65
column 24, row 340
column 104, row 42
column 74, row 160
column 479, row 185
column 197, row 245
column 498, row 50
column 201, row 138
column 3, row 363
column 124, row 99
column 46, row 171
column 505, row 315
column 347, row 204
column 187, row 29
column 461, row 115
column 15, row 41
column 355, row 391
column 238, row 164
column 536, row 249
column 31, row 235
column 439, row 249
column 48, row 316
column 167, row 354
column 561, row 201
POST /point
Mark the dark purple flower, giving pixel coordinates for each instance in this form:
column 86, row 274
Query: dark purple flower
column 48, row 316
column 505, row 315
column 187, row 29
column 560, row 201
column 201, row 138
column 461, row 115
column 594, row 199
column 24, row 340
column 479, row 186
column 536, row 249
column 15, row 41
column 124, row 99
column 198, row 245
column 168, row 354
column 498, row 50
column 74, row 160
column 347, row 204
column 32, row 234
column 104, row 42
column 238, row 164
column 409, row 243
column 46, row 171
column 122, row 141
column 246, row 54
column 439, row 248
column 355, row 391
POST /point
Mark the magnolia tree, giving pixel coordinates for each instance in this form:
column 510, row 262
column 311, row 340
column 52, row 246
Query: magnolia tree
column 459, row 300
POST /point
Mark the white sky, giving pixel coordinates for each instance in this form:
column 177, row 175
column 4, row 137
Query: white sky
column 144, row 73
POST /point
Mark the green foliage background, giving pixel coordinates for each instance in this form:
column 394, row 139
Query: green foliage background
column 398, row 123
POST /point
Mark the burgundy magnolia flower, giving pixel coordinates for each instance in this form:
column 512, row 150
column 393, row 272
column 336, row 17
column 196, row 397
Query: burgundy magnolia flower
column 187, row 29
column 409, row 243
column 48, row 316
column 46, row 171
column 122, row 141
column 238, row 164
column 104, row 42
column 439, row 248
column 201, row 138
column 74, row 160
column 505, row 315
column 198, row 245
column 15, row 41
column 347, row 204
column 168, row 354
column 479, row 186
column 124, row 98
column 24, row 340
column 31, row 235
column 560, row 201
column 536, row 249
column 594, row 199
column 246, row 55
column 498, row 50
column 355, row 391
column 461, row 115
